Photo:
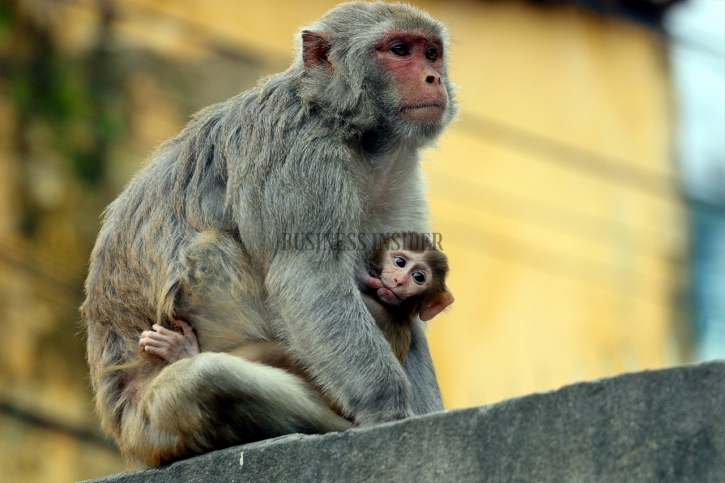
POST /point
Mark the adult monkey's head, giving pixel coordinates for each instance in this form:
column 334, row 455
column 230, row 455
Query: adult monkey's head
column 378, row 68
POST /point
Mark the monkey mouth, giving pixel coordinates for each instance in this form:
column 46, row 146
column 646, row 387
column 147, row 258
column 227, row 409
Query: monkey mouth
column 387, row 295
column 390, row 293
column 439, row 105
column 426, row 112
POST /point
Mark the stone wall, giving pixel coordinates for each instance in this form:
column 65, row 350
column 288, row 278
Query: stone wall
column 653, row 426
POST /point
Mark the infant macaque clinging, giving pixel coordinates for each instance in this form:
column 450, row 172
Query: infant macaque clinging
column 407, row 279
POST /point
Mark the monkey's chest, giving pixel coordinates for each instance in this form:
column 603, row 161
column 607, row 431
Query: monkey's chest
column 396, row 206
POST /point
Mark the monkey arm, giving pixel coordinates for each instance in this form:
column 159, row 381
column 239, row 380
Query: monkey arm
column 314, row 292
column 331, row 331
column 426, row 394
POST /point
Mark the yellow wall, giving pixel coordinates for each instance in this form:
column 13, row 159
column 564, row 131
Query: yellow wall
column 563, row 264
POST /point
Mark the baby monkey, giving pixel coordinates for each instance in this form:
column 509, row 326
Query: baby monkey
column 406, row 278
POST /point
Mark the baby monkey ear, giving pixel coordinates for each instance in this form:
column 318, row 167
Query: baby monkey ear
column 436, row 306
column 315, row 50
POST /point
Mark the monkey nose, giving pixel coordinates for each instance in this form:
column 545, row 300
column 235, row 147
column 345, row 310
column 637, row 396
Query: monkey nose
column 432, row 76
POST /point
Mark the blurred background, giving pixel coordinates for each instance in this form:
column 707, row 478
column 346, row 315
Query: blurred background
column 580, row 195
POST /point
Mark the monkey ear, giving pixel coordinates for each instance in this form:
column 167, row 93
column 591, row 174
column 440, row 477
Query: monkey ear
column 436, row 306
column 315, row 49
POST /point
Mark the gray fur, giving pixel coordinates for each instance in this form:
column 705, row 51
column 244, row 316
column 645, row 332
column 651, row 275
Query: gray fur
column 196, row 235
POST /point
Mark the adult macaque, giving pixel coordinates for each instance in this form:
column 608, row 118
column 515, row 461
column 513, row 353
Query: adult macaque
column 329, row 146
column 407, row 278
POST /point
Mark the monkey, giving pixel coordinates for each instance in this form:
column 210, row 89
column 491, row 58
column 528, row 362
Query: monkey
column 331, row 145
column 406, row 278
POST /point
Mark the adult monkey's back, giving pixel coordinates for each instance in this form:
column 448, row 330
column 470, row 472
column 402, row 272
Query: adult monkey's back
column 329, row 146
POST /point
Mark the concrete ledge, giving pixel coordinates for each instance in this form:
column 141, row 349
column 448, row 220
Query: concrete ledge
column 653, row 426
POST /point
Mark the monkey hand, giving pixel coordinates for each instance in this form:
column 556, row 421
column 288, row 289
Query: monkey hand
column 168, row 344
column 375, row 287
column 369, row 283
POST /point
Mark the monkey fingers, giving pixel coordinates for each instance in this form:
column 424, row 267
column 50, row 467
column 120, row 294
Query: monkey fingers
column 169, row 345
column 186, row 328
column 157, row 344
column 369, row 282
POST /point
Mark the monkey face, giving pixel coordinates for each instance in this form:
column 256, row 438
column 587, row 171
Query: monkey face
column 405, row 274
column 415, row 62
column 389, row 84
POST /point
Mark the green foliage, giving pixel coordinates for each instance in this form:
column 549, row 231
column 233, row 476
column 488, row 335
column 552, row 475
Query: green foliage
column 77, row 99
column 6, row 18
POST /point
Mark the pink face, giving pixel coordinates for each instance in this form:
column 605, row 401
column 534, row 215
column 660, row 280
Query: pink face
column 404, row 275
column 416, row 62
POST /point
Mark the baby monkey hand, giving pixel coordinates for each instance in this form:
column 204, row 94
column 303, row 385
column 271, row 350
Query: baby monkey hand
column 168, row 344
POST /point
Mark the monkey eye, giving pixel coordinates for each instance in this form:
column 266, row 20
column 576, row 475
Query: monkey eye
column 431, row 54
column 399, row 261
column 419, row 277
column 400, row 49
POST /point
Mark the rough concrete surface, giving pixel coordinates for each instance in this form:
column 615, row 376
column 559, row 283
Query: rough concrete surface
column 652, row 426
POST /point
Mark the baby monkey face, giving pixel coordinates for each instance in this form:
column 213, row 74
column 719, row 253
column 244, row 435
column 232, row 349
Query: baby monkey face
column 404, row 274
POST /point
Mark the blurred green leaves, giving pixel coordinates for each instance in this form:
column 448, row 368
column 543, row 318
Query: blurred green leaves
column 78, row 99
column 67, row 109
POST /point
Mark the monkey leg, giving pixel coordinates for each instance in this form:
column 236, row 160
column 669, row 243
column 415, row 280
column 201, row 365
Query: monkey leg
column 216, row 400
column 219, row 294
column 276, row 353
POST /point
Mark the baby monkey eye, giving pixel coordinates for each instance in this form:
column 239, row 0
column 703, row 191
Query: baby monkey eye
column 399, row 261
column 431, row 54
column 419, row 277
column 400, row 49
